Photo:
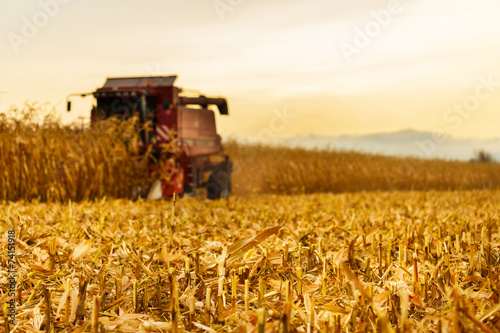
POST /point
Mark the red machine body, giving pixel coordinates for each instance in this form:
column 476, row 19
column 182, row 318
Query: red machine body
column 172, row 115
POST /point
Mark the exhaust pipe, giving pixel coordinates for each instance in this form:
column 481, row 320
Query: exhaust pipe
column 204, row 101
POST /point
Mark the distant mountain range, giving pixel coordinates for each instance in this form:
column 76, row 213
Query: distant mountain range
column 403, row 143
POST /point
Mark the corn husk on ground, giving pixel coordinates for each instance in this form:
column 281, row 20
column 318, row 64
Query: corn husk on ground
column 372, row 262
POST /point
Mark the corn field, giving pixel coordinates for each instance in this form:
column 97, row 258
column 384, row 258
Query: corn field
column 360, row 262
column 282, row 170
column 41, row 159
column 312, row 241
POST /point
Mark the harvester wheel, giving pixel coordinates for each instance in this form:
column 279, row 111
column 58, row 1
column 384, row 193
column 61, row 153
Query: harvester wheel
column 218, row 185
column 189, row 190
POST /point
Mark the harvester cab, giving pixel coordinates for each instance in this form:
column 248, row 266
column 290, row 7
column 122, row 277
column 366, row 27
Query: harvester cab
column 171, row 115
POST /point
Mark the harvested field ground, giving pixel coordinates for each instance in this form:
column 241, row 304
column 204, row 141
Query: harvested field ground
column 380, row 261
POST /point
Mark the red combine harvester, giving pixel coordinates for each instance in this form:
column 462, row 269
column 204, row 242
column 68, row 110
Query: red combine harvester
column 155, row 100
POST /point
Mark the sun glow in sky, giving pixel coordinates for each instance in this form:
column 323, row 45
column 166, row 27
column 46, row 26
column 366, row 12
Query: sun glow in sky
column 333, row 67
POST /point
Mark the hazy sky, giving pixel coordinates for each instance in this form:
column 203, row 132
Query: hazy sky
column 287, row 67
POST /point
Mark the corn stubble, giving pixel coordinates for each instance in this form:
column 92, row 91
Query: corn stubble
column 371, row 262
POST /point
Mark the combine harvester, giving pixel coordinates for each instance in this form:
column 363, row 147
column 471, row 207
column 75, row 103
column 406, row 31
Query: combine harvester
column 172, row 115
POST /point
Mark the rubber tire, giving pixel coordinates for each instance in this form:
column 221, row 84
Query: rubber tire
column 218, row 185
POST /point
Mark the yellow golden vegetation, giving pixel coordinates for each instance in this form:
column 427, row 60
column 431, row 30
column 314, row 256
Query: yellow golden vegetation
column 371, row 262
column 422, row 261
column 41, row 159
column 281, row 170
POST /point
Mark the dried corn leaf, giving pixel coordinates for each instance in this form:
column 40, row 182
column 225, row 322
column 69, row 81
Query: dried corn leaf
column 81, row 250
column 205, row 328
column 41, row 269
column 332, row 307
column 239, row 248
column 62, row 301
